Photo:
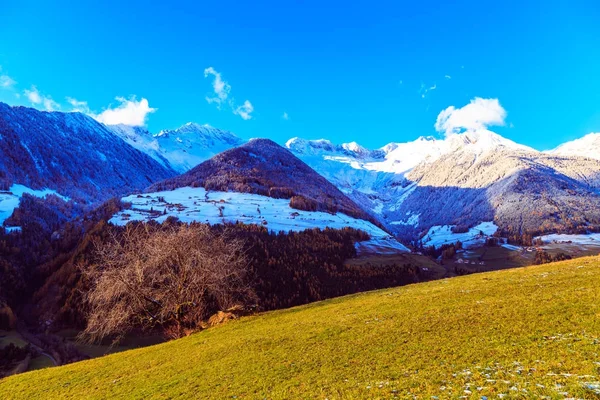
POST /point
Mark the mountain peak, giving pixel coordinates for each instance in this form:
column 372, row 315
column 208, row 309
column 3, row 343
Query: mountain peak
column 586, row 146
column 482, row 140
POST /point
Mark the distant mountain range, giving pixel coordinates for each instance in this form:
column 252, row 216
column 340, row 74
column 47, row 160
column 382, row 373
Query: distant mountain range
column 462, row 180
column 465, row 179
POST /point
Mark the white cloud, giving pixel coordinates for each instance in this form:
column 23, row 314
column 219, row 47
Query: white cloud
column 33, row 95
column 79, row 106
column 129, row 112
column 285, row 116
column 447, row 77
column 478, row 114
column 424, row 89
column 220, row 87
column 36, row 98
column 244, row 110
column 6, row 82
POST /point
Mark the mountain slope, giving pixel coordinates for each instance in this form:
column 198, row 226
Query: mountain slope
column 539, row 339
column 519, row 192
column 71, row 154
column 182, row 148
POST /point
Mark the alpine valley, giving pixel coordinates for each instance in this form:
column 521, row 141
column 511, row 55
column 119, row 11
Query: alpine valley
column 316, row 219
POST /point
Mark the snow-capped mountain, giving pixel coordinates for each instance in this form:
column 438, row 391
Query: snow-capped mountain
column 377, row 179
column 587, row 146
column 70, row 154
column 465, row 179
column 180, row 149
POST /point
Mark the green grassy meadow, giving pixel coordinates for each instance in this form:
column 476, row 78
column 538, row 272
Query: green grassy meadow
column 530, row 332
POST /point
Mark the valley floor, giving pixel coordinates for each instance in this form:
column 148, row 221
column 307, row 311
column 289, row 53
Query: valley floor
column 530, row 332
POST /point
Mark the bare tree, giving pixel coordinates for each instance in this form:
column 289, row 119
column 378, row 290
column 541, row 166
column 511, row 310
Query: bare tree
column 171, row 276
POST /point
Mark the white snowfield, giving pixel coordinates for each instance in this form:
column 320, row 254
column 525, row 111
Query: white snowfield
column 198, row 205
column 475, row 237
column 9, row 200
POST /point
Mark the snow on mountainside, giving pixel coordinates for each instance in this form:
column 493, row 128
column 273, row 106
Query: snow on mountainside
column 399, row 158
column 465, row 179
column 182, row 148
column 72, row 154
column 587, row 146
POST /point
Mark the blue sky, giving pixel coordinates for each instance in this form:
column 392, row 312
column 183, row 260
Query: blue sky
column 346, row 71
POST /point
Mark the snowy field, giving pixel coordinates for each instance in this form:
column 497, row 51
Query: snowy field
column 197, row 205
column 9, row 201
column 592, row 239
column 440, row 235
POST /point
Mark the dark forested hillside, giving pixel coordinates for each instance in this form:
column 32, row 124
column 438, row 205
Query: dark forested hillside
column 46, row 241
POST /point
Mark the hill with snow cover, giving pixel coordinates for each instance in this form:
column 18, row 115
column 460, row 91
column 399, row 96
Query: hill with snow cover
column 464, row 180
column 180, row 149
column 259, row 183
column 69, row 155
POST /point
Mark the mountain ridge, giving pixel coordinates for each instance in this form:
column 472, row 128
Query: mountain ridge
column 182, row 148
column 45, row 150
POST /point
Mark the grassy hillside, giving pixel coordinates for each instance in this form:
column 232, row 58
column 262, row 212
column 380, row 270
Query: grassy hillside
column 523, row 333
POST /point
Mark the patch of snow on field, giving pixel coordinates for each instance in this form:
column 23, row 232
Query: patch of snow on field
column 476, row 236
column 197, row 205
column 582, row 239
